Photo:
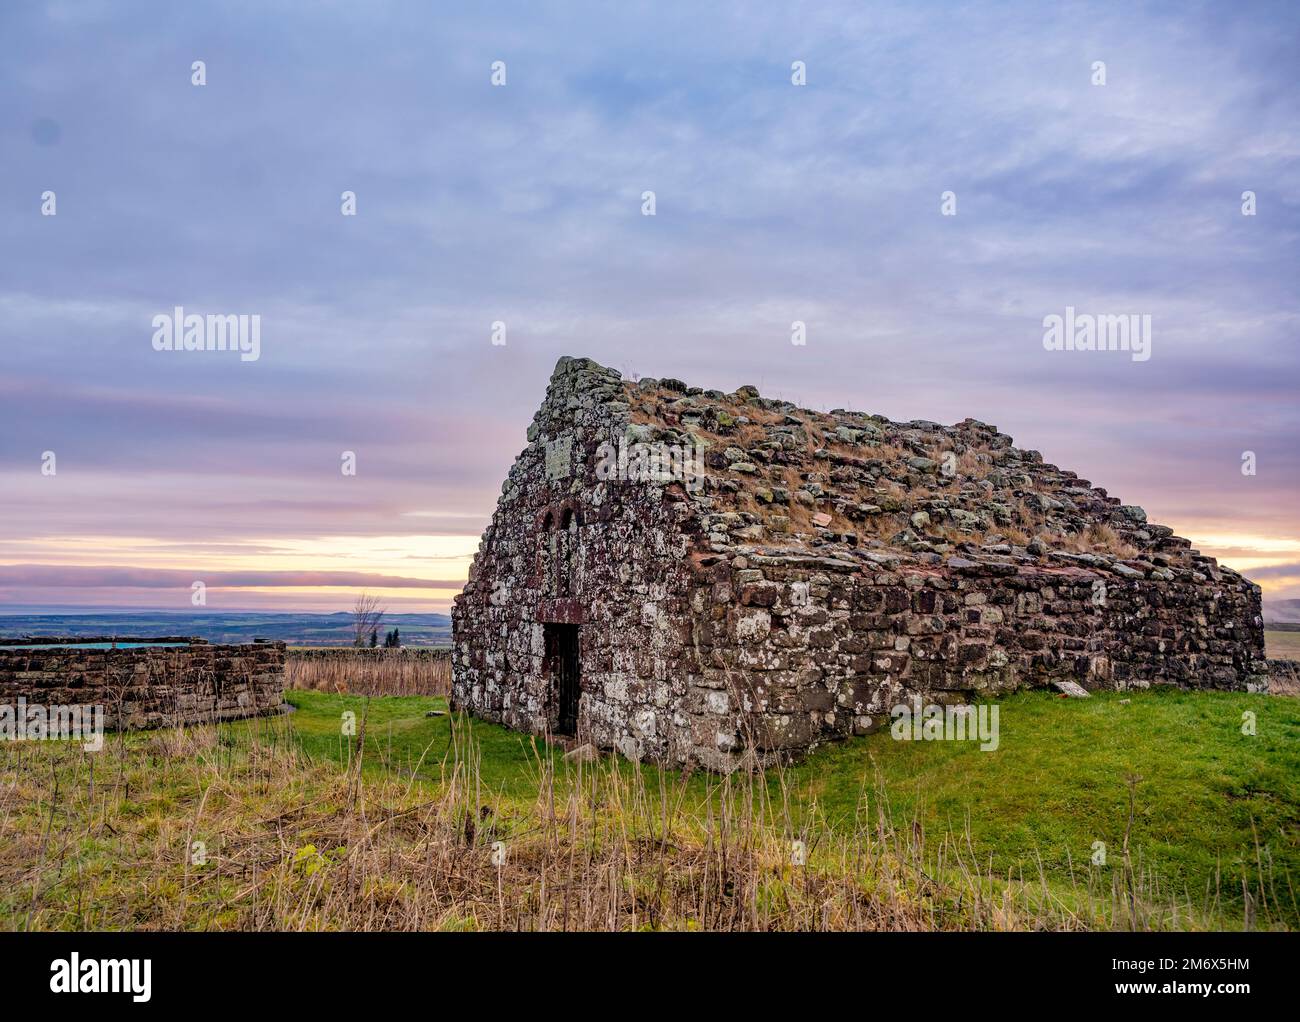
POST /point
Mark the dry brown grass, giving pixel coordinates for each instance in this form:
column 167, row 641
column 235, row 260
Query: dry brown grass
column 974, row 463
column 375, row 672
column 1097, row 538
column 1284, row 676
column 1282, row 643
column 288, row 843
column 954, row 536
column 1102, row 538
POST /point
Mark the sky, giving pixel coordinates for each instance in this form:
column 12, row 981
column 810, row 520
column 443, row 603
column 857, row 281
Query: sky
column 523, row 203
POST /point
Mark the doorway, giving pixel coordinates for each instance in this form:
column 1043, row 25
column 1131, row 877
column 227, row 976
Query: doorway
column 564, row 676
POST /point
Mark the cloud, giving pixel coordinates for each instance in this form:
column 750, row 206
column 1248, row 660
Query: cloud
column 1274, row 571
column 521, row 204
column 99, row 577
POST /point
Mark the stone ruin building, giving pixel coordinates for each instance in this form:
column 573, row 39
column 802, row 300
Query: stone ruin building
column 780, row 577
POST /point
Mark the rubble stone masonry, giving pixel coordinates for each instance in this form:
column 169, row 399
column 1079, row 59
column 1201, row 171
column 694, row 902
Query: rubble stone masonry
column 831, row 566
column 148, row 686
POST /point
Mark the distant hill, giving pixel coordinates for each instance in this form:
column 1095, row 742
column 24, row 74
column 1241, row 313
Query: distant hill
column 1281, row 611
column 295, row 629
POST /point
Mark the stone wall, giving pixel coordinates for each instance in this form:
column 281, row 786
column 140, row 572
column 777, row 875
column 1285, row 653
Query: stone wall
column 567, row 548
column 799, row 649
column 150, row 686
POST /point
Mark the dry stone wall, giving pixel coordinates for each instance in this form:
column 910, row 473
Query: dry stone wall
column 149, row 686
column 567, row 549
column 828, row 567
column 808, row 649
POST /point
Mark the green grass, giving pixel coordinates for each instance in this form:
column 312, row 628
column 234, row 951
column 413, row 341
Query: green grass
column 1210, row 803
column 402, row 739
column 102, row 841
column 1209, row 798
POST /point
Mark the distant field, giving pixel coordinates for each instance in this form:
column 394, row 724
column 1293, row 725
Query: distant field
column 232, row 627
column 412, row 671
column 1282, row 645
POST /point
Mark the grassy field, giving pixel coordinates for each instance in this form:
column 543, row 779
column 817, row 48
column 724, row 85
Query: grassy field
column 1282, row 645
column 412, row 671
column 424, row 822
column 1204, row 793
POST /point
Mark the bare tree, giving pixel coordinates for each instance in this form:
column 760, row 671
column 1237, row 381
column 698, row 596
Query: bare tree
column 366, row 615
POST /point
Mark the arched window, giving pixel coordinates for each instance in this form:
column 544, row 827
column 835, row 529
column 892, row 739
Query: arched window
column 557, row 551
column 567, row 554
column 546, row 553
